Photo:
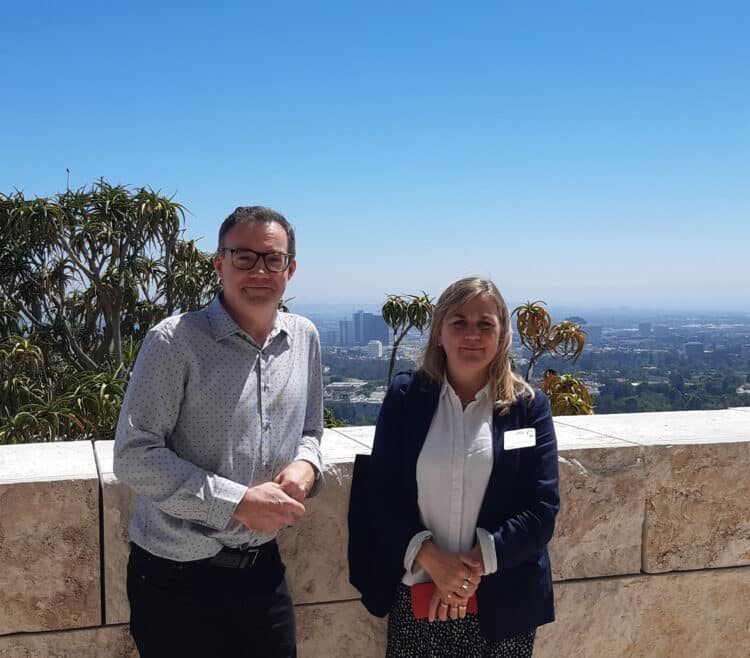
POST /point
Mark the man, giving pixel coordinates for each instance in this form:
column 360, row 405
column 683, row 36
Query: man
column 219, row 436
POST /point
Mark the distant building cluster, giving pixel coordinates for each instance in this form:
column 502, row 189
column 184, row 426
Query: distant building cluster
column 362, row 329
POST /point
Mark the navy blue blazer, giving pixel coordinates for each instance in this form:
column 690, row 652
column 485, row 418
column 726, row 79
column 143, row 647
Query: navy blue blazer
column 519, row 508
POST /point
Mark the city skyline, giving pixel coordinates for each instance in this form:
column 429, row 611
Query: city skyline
column 593, row 156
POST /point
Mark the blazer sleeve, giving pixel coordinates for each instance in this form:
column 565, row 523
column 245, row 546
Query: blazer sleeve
column 526, row 533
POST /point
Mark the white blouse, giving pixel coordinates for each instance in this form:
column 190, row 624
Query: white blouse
column 453, row 470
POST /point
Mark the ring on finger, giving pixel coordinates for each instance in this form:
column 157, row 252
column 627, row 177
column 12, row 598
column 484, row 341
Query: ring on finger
column 465, row 586
column 443, row 605
column 462, row 608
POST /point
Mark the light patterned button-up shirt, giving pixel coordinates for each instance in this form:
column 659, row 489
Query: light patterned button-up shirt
column 207, row 413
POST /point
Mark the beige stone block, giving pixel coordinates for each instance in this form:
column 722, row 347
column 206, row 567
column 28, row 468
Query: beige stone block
column 599, row 529
column 700, row 614
column 697, row 507
column 118, row 502
column 49, row 537
column 339, row 630
column 102, row 642
column 314, row 550
column 697, row 504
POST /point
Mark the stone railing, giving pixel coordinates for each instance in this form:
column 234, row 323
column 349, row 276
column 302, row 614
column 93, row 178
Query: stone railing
column 651, row 554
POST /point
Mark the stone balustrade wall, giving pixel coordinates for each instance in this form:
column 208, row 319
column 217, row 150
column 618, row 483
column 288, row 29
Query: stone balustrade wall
column 651, row 554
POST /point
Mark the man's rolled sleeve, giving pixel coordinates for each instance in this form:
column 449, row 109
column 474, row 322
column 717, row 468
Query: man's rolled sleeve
column 226, row 496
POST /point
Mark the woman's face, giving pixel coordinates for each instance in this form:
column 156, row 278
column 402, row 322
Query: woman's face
column 470, row 337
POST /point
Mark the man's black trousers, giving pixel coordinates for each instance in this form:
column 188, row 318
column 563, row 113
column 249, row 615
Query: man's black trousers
column 201, row 609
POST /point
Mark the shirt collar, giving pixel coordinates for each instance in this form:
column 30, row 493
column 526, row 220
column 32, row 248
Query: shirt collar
column 447, row 391
column 223, row 326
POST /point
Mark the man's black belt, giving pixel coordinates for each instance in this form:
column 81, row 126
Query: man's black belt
column 226, row 558
column 241, row 558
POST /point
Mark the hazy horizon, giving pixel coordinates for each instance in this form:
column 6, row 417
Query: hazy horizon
column 343, row 310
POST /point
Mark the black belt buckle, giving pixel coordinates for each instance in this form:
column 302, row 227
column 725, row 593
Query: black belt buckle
column 229, row 558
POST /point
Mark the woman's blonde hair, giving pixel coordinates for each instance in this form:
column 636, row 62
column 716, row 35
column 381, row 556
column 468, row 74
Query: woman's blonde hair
column 507, row 386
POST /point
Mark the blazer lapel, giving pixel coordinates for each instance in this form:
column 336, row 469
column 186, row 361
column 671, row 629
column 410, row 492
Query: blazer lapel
column 505, row 464
column 421, row 404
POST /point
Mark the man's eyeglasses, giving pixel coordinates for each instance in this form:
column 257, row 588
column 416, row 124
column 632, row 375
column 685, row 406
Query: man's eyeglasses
column 246, row 259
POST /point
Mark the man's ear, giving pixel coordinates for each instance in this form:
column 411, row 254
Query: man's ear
column 291, row 269
column 219, row 265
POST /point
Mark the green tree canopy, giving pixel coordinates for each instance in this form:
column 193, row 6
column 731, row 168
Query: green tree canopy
column 83, row 276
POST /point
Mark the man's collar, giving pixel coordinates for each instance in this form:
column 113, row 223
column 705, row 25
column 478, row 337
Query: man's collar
column 222, row 324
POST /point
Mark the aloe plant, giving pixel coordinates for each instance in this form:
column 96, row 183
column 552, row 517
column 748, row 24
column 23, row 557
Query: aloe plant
column 402, row 313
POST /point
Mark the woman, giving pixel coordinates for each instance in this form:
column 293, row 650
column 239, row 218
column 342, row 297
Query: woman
column 461, row 491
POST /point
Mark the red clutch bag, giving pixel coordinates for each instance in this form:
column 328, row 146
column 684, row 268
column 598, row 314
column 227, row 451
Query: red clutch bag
column 421, row 595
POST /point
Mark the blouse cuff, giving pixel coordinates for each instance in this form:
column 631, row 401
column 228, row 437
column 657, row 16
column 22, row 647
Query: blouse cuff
column 413, row 548
column 487, row 547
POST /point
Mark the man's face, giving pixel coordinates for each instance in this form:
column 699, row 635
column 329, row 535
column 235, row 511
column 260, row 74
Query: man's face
column 245, row 290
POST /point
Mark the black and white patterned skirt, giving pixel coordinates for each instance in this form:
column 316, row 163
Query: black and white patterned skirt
column 460, row 638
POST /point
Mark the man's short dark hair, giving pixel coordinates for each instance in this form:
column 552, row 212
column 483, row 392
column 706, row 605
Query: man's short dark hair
column 258, row 215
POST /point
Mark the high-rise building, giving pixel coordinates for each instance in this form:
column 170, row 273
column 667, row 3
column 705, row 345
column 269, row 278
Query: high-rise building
column 375, row 328
column 358, row 321
column 374, row 349
column 367, row 327
column 328, row 337
column 346, row 332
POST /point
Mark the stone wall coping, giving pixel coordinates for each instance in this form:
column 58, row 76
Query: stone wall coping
column 75, row 459
column 665, row 428
column 362, row 435
column 339, row 448
column 41, row 462
column 104, row 452
column 336, row 448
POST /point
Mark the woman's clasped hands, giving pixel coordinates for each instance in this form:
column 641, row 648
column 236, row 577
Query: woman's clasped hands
column 456, row 577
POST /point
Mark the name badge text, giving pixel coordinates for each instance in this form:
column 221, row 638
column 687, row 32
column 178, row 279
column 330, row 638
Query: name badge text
column 523, row 438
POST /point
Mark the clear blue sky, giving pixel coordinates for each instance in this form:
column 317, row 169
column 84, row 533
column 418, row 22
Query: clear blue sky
column 586, row 153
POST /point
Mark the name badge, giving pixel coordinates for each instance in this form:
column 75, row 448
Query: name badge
column 523, row 438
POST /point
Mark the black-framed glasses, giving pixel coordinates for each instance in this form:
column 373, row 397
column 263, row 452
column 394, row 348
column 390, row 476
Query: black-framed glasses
column 247, row 259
